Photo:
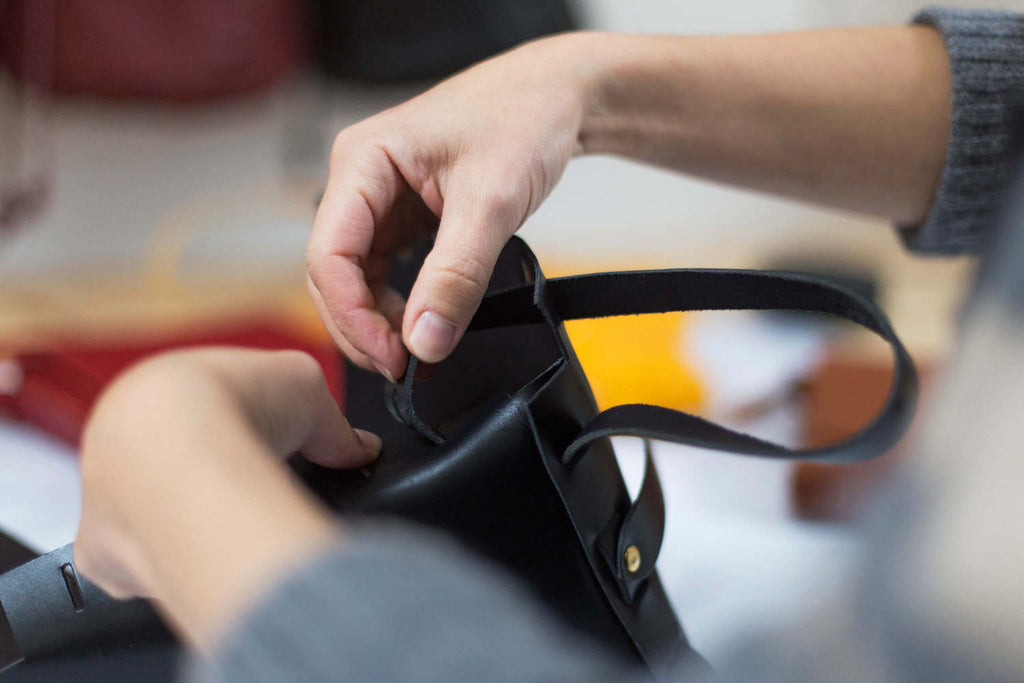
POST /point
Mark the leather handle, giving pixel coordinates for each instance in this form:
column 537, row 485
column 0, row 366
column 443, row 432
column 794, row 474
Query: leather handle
column 661, row 291
column 643, row 528
column 780, row 290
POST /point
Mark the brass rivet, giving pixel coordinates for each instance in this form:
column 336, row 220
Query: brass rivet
column 632, row 557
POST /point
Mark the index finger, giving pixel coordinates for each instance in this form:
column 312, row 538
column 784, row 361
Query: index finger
column 361, row 191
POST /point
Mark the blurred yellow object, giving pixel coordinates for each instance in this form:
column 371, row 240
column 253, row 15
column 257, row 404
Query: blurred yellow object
column 637, row 359
column 634, row 358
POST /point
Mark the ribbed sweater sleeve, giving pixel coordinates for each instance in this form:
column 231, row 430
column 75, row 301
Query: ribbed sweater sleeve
column 986, row 52
column 394, row 603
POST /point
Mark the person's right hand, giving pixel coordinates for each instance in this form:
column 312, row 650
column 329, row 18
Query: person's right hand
column 472, row 157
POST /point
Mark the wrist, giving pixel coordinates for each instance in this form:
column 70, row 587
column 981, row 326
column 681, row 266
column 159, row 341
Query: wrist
column 588, row 61
column 227, row 535
column 594, row 58
column 633, row 87
column 203, row 519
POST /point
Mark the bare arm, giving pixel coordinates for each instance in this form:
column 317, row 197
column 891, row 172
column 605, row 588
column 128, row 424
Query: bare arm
column 854, row 118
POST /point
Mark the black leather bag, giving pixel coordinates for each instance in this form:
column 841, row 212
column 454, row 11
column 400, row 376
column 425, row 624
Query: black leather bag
column 504, row 447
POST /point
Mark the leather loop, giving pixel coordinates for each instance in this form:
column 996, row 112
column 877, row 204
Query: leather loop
column 399, row 397
column 643, row 529
column 399, row 401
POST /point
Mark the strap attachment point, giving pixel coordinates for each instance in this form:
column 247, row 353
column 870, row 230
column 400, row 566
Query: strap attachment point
column 630, row 545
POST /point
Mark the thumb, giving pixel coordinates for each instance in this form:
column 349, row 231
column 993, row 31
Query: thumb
column 454, row 276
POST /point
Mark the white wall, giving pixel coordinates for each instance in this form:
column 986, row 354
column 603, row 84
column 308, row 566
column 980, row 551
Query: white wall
column 731, row 16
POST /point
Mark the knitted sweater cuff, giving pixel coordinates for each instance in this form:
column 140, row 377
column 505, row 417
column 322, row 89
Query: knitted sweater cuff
column 986, row 52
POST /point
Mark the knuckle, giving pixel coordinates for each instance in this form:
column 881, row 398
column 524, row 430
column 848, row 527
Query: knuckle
column 464, row 276
column 143, row 381
column 314, row 266
column 357, row 146
column 502, row 198
column 376, row 340
column 83, row 555
column 303, row 365
column 506, row 199
column 338, row 279
column 535, row 165
column 344, row 141
column 350, row 146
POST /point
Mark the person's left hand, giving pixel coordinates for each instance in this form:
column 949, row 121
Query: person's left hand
column 185, row 499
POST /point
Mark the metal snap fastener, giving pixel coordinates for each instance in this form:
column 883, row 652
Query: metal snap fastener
column 632, row 557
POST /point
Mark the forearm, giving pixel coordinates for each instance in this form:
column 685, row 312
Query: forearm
column 852, row 118
column 215, row 545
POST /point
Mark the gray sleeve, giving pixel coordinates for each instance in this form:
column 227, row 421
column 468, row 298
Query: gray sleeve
column 986, row 51
column 398, row 604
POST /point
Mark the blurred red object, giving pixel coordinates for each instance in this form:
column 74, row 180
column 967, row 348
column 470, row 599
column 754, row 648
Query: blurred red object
column 57, row 389
column 182, row 50
column 843, row 396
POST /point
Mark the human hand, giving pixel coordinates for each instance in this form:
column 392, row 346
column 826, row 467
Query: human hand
column 185, row 499
column 472, row 157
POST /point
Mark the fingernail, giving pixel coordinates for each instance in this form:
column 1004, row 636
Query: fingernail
column 383, row 370
column 371, row 442
column 432, row 337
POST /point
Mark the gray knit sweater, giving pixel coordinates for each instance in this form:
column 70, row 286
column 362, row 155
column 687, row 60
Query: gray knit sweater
column 986, row 50
column 391, row 605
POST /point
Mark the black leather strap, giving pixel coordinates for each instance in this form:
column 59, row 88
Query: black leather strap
column 601, row 295
column 660, row 291
column 642, row 529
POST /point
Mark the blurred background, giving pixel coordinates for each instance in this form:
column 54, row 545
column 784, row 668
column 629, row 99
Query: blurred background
column 160, row 164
